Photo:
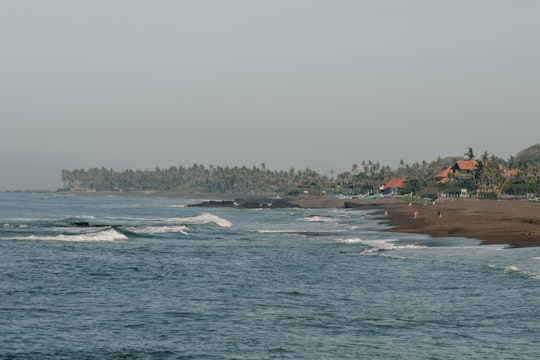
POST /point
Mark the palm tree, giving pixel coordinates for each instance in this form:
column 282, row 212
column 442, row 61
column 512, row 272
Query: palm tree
column 401, row 166
column 484, row 157
column 470, row 154
column 354, row 172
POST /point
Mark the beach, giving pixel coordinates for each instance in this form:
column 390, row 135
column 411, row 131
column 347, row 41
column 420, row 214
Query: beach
column 512, row 222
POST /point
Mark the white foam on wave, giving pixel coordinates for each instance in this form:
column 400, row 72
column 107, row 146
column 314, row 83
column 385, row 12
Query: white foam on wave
column 105, row 235
column 317, row 218
column 203, row 219
column 514, row 269
column 377, row 245
column 26, row 219
column 351, row 241
column 160, row 230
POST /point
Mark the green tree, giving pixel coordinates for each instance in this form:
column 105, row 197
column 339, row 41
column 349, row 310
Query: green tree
column 470, row 154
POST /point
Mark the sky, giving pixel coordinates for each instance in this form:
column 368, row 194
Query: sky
column 131, row 84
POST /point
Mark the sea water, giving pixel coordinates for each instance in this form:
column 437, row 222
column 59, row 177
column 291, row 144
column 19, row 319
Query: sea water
column 150, row 278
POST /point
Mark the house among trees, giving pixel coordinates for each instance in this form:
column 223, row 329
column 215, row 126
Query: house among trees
column 443, row 176
column 395, row 185
column 463, row 168
column 458, row 169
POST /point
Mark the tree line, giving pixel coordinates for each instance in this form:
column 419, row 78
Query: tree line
column 196, row 179
column 491, row 176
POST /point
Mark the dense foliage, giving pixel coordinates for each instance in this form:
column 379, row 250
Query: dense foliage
column 491, row 177
column 196, row 179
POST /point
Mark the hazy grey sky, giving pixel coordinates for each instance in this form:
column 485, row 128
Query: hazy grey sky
column 291, row 83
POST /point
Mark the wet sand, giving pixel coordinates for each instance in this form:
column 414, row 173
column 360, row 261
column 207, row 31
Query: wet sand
column 512, row 222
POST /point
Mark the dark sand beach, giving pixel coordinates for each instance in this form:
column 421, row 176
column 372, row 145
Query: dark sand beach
column 512, row 222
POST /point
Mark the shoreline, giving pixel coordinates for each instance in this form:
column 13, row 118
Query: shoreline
column 515, row 223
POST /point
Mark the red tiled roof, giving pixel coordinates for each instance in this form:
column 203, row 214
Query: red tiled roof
column 444, row 180
column 467, row 165
column 397, row 183
column 444, row 173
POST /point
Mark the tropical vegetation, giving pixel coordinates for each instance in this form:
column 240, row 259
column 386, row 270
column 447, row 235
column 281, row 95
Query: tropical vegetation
column 493, row 177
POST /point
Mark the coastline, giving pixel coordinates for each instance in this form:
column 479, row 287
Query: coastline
column 512, row 222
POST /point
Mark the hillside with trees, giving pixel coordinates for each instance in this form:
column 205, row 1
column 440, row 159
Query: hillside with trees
column 519, row 175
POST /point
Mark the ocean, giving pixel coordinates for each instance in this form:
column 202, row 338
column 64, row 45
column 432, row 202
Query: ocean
column 150, row 278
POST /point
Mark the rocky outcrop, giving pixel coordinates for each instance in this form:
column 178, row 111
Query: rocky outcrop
column 283, row 204
column 214, row 204
column 352, row 205
column 263, row 203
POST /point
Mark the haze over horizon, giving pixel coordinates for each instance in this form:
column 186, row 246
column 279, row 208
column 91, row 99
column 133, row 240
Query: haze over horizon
column 320, row 84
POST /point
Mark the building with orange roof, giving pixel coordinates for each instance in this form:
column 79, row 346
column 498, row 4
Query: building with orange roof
column 443, row 176
column 395, row 185
column 464, row 167
column 460, row 168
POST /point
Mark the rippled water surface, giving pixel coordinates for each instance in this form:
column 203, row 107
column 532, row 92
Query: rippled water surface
column 151, row 278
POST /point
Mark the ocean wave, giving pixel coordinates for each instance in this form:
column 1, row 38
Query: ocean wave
column 204, row 218
column 159, row 230
column 351, row 241
column 514, row 269
column 76, row 218
column 280, row 231
column 105, row 235
column 301, row 232
column 317, row 218
column 378, row 245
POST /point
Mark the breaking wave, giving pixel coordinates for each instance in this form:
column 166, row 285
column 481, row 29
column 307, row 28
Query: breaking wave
column 301, row 232
column 203, row 219
column 317, row 218
column 105, row 235
column 514, row 269
column 378, row 245
column 149, row 230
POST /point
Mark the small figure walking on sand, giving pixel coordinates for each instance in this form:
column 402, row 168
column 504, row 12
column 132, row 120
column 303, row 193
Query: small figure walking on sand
column 439, row 213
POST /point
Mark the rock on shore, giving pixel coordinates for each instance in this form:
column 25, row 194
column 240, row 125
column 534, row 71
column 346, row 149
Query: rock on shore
column 262, row 203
